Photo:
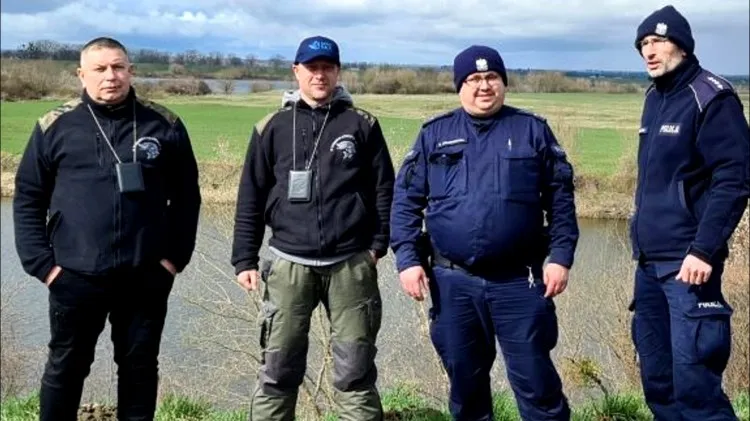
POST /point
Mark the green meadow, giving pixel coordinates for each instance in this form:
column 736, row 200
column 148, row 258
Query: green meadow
column 597, row 127
column 598, row 131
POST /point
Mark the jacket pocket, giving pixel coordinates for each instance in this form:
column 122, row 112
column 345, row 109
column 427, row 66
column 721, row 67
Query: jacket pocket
column 52, row 225
column 270, row 210
column 350, row 219
column 520, row 175
column 447, row 172
column 683, row 198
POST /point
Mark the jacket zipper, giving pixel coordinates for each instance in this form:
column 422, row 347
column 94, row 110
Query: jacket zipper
column 118, row 205
column 649, row 140
column 319, row 195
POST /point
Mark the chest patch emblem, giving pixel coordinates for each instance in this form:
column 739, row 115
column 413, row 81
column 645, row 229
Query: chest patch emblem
column 670, row 129
column 345, row 147
column 148, row 148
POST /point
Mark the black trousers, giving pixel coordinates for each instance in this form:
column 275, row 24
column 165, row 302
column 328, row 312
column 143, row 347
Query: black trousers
column 136, row 302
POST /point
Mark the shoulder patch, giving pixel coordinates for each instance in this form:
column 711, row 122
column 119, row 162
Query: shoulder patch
column 533, row 114
column 162, row 110
column 51, row 116
column 366, row 115
column 558, row 150
column 438, row 117
column 707, row 86
column 261, row 125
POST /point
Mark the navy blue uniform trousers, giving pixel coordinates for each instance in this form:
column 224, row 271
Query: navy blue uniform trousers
column 682, row 336
column 136, row 302
column 468, row 313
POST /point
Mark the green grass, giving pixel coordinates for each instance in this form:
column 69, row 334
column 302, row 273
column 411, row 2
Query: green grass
column 601, row 127
column 598, row 150
column 402, row 403
column 20, row 409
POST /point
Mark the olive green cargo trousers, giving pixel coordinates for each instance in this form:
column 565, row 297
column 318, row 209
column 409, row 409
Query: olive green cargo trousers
column 349, row 291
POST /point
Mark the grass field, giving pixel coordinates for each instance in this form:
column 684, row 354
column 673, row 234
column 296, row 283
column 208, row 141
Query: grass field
column 599, row 132
column 601, row 124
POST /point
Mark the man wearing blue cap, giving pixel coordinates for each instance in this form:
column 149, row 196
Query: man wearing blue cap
column 484, row 177
column 693, row 186
column 319, row 173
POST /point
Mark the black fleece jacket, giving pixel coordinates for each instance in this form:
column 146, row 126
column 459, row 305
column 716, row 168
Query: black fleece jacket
column 352, row 183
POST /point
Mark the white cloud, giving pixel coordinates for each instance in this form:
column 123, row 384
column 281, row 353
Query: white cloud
column 570, row 34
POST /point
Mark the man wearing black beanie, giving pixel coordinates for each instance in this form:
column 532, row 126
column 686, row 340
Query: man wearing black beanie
column 693, row 186
column 484, row 177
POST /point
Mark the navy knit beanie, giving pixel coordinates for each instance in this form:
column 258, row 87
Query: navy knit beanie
column 477, row 58
column 667, row 22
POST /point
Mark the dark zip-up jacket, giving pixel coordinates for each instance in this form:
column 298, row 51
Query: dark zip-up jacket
column 352, row 183
column 483, row 188
column 693, row 167
column 67, row 208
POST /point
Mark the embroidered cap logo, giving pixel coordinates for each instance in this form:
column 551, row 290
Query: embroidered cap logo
column 661, row 29
column 481, row 65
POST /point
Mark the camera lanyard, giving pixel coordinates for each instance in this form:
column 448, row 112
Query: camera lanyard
column 106, row 139
column 294, row 138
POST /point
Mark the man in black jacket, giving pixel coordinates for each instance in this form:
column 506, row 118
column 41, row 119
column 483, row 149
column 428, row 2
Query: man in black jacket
column 105, row 214
column 318, row 172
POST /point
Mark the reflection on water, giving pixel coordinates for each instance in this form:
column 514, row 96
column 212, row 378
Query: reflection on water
column 213, row 355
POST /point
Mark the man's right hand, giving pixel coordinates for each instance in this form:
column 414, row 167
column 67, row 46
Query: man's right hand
column 415, row 283
column 248, row 279
column 52, row 275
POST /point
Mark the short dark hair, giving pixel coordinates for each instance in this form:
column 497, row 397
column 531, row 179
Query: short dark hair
column 104, row 42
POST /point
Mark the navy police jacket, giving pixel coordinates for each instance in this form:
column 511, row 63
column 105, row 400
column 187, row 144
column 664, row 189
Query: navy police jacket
column 693, row 167
column 484, row 187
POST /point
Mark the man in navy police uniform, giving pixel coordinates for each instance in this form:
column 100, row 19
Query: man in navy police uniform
column 693, row 167
column 487, row 175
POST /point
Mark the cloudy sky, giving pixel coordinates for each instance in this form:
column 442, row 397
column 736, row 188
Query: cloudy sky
column 576, row 35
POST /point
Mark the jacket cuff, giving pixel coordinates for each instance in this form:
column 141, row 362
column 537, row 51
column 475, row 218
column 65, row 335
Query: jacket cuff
column 244, row 265
column 693, row 251
column 44, row 269
column 561, row 257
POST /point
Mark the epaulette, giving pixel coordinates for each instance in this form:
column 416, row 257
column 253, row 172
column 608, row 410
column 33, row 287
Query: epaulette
column 438, row 117
column 162, row 110
column 50, row 117
column 707, row 86
column 261, row 125
column 366, row 115
column 533, row 114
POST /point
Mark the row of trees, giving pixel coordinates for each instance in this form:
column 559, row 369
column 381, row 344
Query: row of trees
column 53, row 50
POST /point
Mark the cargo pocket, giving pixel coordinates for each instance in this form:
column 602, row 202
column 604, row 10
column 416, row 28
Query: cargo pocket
column 374, row 316
column 710, row 336
column 447, row 173
column 267, row 312
column 520, row 175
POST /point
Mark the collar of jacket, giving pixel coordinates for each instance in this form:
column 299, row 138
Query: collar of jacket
column 484, row 123
column 123, row 109
column 678, row 78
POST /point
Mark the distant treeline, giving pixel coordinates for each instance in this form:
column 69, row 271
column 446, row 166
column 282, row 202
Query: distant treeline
column 218, row 65
column 57, row 61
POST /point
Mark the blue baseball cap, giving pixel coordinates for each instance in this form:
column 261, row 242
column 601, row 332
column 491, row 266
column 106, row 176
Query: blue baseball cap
column 317, row 47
